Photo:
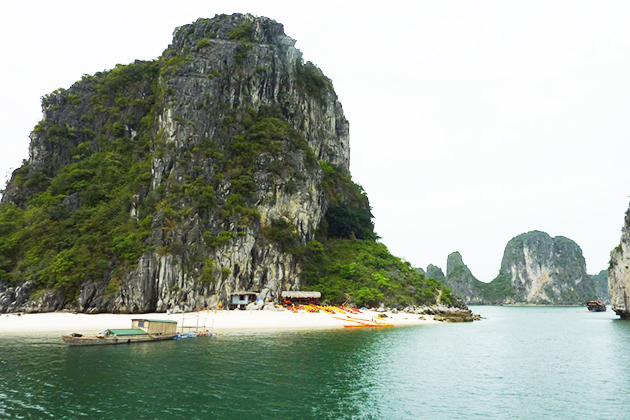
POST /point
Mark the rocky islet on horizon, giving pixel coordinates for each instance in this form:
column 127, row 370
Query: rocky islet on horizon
column 536, row 269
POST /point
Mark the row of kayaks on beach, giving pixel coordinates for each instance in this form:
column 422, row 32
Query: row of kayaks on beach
column 364, row 323
column 342, row 313
column 332, row 310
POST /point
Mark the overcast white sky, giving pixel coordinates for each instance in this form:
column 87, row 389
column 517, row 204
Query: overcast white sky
column 471, row 121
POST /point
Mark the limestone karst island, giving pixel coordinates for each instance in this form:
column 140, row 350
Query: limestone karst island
column 536, row 269
column 217, row 173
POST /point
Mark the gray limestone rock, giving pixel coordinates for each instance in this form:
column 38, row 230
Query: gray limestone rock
column 15, row 299
column 545, row 270
column 536, row 269
column 215, row 78
column 461, row 281
column 601, row 286
column 619, row 272
column 434, row 272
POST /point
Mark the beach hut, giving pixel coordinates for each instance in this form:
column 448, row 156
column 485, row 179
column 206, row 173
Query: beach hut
column 240, row 300
column 301, row 298
column 155, row 326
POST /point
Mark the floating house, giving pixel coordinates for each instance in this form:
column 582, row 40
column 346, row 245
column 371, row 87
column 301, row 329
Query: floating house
column 155, row 326
column 301, row 298
column 141, row 330
column 239, row 300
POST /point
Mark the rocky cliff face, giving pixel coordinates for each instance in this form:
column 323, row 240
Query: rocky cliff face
column 536, row 269
column 170, row 184
column 435, row 272
column 619, row 272
column 601, row 286
column 461, row 281
column 545, row 270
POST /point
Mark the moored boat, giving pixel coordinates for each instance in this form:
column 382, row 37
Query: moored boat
column 143, row 330
column 596, row 306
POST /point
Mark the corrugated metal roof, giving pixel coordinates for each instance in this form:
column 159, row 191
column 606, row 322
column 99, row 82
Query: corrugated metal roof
column 155, row 320
column 301, row 295
column 129, row 331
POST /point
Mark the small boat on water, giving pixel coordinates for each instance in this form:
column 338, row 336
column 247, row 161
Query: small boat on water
column 596, row 306
column 181, row 336
column 142, row 330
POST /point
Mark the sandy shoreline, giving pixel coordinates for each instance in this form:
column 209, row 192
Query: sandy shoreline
column 224, row 321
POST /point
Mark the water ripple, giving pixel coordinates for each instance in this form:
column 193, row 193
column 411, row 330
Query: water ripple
column 519, row 363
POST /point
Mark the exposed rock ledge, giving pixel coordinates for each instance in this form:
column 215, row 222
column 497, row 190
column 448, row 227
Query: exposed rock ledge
column 440, row 312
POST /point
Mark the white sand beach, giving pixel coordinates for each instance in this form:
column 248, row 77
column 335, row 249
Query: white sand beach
column 222, row 321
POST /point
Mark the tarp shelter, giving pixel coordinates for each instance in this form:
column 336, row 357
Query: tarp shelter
column 126, row 331
column 300, row 298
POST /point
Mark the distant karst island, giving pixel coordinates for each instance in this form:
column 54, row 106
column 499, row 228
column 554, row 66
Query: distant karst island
column 536, row 269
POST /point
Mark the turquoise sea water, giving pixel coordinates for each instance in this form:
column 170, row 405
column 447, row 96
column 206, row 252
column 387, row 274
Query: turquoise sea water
column 518, row 363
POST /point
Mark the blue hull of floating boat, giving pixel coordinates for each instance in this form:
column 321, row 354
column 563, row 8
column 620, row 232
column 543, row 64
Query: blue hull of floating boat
column 193, row 335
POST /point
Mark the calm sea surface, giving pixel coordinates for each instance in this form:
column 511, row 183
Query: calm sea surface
column 518, row 363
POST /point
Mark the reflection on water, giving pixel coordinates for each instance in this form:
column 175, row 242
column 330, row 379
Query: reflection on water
column 317, row 374
column 517, row 363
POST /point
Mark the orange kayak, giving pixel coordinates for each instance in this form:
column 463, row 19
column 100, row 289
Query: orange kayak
column 362, row 322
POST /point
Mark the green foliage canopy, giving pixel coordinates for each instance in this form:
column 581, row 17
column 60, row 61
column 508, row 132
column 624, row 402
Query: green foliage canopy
column 363, row 272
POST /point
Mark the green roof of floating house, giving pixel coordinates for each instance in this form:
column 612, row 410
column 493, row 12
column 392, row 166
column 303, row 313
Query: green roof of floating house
column 155, row 320
column 129, row 331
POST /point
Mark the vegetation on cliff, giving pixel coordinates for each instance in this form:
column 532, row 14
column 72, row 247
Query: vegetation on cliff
column 363, row 272
column 601, row 285
column 349, row 265
column 70, row 220
column 178, row 180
